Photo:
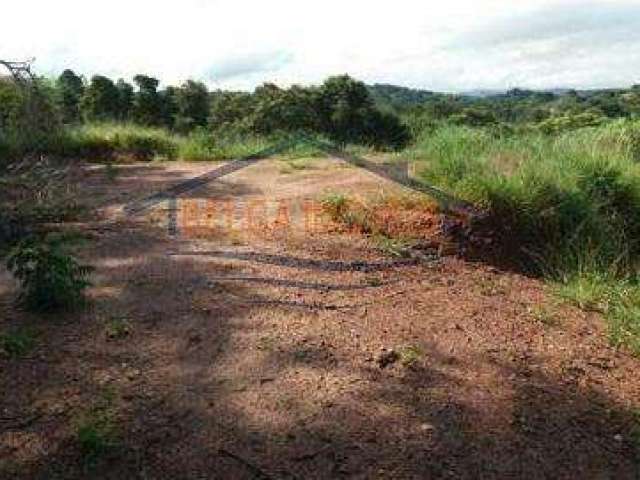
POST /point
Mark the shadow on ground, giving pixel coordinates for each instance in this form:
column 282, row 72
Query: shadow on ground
column 224, row 378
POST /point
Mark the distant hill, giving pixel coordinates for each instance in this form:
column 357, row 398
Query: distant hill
column 399, row 98
column 482, row 93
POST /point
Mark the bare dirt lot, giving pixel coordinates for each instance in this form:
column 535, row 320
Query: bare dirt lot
column 238, row 353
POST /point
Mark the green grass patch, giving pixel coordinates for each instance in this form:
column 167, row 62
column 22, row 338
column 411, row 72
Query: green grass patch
column 96, row 431
column 18, row 343
column 545, row 314
column 119, row 141
column 394, row 247
column 410, row 355
column 117, row 328
column 336, row 205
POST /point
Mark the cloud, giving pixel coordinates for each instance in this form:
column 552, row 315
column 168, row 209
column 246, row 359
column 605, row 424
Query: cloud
column 452, row 46
column 599, row 24
column 576, row 44
column 252, row 64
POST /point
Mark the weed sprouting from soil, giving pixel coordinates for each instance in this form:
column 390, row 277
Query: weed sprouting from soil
column 336, row 206
column 394, row 247
column 117, row 328
column 18, row 343
column 96, row 431
column 410, row 355
column 545, row 315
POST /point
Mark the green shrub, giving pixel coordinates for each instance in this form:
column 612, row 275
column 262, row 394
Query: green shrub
column 17, row 343
column 567, row 122
column 410, row 355
column 95, row 438
column 336, row 205
column 50, row 278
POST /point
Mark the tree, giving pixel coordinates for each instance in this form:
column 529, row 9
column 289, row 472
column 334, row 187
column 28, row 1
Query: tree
column 342, row 109
column 169, row 100
column 125, row 99
column 348, row 114
column 192, row 104
column 277, row 109
column 231, row 110
column 101, row 100
column 147, row 103
column 70, row 88
column 11, row 106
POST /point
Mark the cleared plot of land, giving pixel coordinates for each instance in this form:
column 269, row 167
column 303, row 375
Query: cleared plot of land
column 305, row 354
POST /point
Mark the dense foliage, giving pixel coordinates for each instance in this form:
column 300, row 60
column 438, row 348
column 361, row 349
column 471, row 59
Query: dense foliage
column 342, row 108
column 524, row 110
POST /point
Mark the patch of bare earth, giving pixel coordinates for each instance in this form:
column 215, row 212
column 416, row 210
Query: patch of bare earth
column 306, row 353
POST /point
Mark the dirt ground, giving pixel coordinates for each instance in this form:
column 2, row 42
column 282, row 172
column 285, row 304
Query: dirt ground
column 229, row 352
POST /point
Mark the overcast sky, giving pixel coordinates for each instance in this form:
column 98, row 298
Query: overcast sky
column 452, row 45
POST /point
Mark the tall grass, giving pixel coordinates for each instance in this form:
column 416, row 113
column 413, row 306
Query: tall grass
column 107, row 140
column 566, row 206
column 127, row 142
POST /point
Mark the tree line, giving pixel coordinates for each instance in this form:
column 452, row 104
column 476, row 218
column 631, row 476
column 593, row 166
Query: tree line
column 341, row 108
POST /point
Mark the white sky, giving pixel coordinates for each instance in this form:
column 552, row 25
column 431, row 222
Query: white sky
column 451, row 45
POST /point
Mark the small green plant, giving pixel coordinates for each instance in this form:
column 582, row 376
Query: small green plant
column 544, row 315
column 96, row 432
column 410, row 355
column 336, row 205
column 291, row 165
column 490, row 287
column 95, row 439
column 117, row 328
column 394, row 247
column 17, row 343
column 50, row 277
column 266, row 343
column 358, row 221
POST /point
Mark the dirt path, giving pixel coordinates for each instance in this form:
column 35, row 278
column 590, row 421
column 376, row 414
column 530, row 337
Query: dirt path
column 306, row 353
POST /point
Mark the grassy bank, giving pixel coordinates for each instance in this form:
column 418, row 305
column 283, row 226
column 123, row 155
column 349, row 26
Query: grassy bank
column 133, row 142
column 566, row 206
column 129, row 142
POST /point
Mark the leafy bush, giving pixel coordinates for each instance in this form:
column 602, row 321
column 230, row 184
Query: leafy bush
column 28, row 119
column 563, row 123
column 50, row 278
column 17, row 343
